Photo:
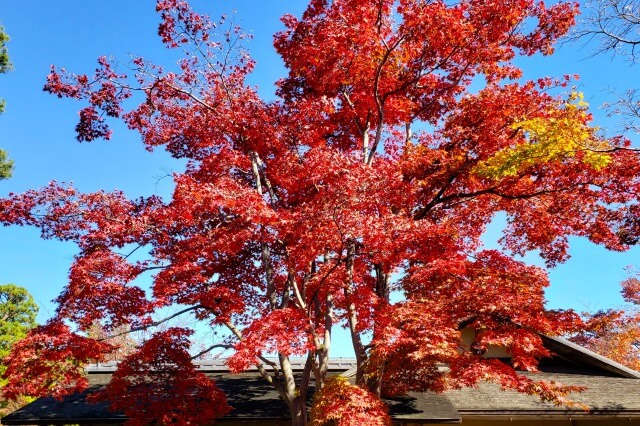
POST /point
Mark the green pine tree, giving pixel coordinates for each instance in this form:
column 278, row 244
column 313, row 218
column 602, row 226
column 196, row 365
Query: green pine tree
column 18, row 313
column 6, row 165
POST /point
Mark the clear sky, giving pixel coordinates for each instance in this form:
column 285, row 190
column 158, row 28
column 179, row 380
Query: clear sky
column 38, row 129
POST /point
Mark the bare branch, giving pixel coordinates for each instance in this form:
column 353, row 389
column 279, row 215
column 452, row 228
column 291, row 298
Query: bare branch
column 153, row 324
column 614, row 25
column 210, row 348
column 627, row 106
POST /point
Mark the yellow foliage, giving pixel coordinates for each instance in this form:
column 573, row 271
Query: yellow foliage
column 561, row 134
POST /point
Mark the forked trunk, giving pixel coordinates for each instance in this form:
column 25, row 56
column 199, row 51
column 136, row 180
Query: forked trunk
column 298, row 410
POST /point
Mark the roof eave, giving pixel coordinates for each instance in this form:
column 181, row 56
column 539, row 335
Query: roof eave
column 596, row 359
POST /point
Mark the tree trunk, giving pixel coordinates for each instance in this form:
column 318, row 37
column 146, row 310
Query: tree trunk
column 383, row 280
column 298, row 410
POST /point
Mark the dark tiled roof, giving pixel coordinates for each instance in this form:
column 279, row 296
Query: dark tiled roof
column 580, row 355
column 612, row 391
column 612, row 396
column 252, row 398
column 73, row 409
column 419, row 407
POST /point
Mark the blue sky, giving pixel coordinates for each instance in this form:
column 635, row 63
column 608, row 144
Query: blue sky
column 38, row 129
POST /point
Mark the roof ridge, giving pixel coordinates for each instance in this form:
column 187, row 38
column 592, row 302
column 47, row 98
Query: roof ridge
column 597, row 359
column 219, row 365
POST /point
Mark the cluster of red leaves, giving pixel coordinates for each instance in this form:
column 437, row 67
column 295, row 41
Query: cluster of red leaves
column 284, row 331
column 631, row 290
column 412, row 342
column 159, row 384
column 105, row 101
column 340, row 403
column 98, row 288
column 505, row 309
column 616, row 333
column 50, row 362
column 180, row 24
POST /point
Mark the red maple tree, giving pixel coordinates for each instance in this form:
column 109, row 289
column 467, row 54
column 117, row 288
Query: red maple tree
column 375, row 172
column 615, row 333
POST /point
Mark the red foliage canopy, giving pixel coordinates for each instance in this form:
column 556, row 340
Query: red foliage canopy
column 375, row 172
column 50, row 361
column 159, row 382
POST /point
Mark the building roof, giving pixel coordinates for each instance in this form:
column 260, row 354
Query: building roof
column 613, row 391
column 252, row 398
column 604, row 395
column 580, row 355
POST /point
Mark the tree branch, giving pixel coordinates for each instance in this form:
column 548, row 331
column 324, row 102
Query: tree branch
column 210, row 348
column 153, row 324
